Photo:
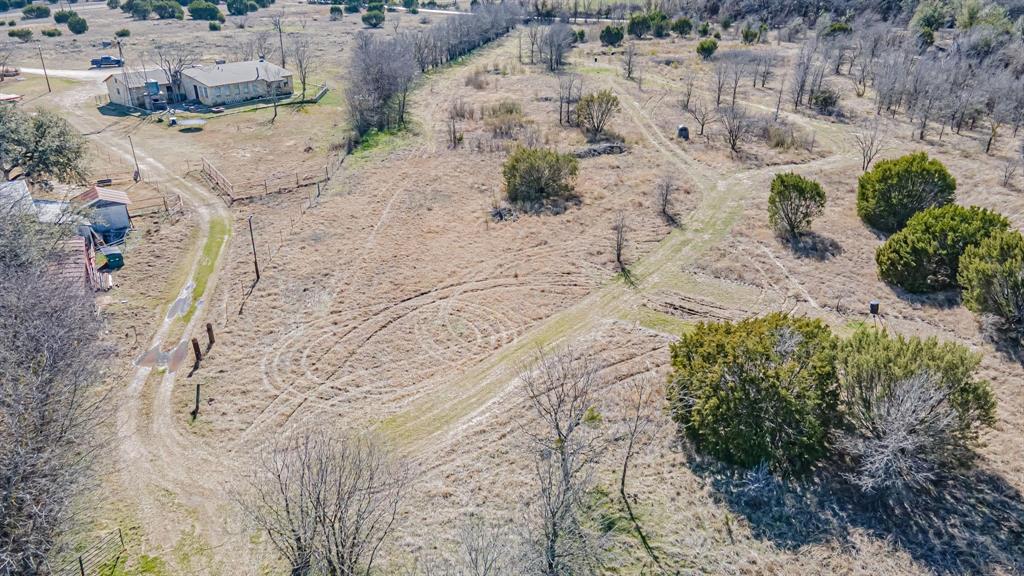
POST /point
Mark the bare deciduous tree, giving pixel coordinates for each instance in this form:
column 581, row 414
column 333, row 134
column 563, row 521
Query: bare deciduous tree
column 913, row 433
column 703, row 114
column 620, row 228
column 798, row 86
column 870, row 142
column 663, row 195
column 51, row 357
column 173, row 58
column 720, row 79
column 689, row 77
column 630, row 61
column 556, row 41
column 326, row 502
column 737, row 125
column 533, row 34
column 561, row 390
column 305, row 61
column 277, row 23
column 570, row 89
column 766, row 66
column 635, row 424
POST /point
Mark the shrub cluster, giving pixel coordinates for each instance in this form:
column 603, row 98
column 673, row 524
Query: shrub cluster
column 62, row 16
column 203, row 10
column 23, row 34
column 373, row 18
column 682, row 26
column 536, row 175
column 912, row 409
column 784, row 392
column 503, row 119
column 33, row 11
column 706, row 48
column 168, row 10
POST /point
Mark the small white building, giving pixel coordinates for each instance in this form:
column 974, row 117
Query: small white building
column 234, row 82
column 147, row 89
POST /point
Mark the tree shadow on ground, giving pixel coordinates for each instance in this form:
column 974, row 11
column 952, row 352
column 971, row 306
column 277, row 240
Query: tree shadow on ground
column 940, row 300
column 110, row 109
column 1005, row 339
column 972, row 524
column 814, row 246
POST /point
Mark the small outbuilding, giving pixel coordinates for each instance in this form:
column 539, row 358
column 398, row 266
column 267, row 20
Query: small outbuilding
column 108, row 210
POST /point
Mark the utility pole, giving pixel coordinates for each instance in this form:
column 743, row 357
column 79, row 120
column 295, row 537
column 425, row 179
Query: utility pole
column 138, row 171
column 45, row 75
column 255, row 262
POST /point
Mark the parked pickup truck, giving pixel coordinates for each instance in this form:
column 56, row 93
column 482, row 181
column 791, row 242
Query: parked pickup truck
column 103, row 61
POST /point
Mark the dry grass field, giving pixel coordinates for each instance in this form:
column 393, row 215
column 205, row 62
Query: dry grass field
column 395, row 303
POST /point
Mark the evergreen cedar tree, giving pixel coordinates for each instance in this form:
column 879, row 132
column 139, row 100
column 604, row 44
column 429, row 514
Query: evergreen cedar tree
column 78, row 25
column 893, row 191
column 871, row 362
column 611, row 35
column 682, row 26
column 707, row 47
column 780, row 395
column 776, row 390
column 992, row 276
column 639, row 25
column 793, row 203
column 925, row 255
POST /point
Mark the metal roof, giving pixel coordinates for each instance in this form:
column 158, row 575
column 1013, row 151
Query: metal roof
column 15, row 195
column 98, row 194
column 72, row 264
column 139, row 79
column 236, row 72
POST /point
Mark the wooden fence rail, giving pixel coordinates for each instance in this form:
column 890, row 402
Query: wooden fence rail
column 276, row 183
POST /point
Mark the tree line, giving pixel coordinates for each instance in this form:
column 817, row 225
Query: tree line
column 382, row 70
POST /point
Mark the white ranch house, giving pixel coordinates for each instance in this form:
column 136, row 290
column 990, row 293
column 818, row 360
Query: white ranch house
column 219, row 84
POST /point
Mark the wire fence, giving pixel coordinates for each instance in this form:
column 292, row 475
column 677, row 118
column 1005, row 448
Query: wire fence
column 275, row 183
column 97, row 559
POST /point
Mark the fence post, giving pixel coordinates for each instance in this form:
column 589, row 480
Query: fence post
column 120, row 536
column 195, row 348
column 195, row 411
column 209, row 334
column 81, row 566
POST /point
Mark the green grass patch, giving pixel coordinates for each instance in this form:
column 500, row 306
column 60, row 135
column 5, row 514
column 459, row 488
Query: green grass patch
column 660, row 321
column 218, row 234
column 144, row 565
column 597, row 70
column 382, row 141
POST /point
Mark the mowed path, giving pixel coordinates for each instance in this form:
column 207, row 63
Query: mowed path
column 439, row 418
